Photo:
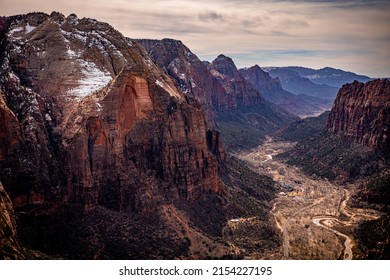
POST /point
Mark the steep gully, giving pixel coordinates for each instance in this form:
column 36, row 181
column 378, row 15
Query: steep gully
column 304, row 201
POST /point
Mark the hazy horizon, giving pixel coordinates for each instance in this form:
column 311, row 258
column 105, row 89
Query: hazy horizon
column 349, row 35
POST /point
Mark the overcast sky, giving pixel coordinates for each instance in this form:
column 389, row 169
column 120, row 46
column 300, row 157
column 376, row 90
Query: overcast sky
column 351, row 35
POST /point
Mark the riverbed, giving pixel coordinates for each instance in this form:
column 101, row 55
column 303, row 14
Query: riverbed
column 311, row 213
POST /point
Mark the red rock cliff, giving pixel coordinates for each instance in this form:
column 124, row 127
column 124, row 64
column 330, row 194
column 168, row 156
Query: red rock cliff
column 103, row 154
column 87, row 118
column 242, row 92
column 9, row 244
column 190, row 73
column 362, row 112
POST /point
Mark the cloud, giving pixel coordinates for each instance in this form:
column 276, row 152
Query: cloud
column 353, row 35
column 211, row 16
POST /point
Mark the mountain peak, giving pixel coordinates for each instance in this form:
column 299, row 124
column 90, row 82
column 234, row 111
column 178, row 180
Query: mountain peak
column 256, row 68
column 224, row 65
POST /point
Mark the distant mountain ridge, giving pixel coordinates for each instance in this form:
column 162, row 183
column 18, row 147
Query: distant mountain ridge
column 295, row 83
column 272, row 90
column 329, row 76
column 323, row 83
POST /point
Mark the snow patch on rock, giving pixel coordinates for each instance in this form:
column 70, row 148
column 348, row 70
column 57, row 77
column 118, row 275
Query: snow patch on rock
column 29, row 28
column 93, row 79
column 168, row 89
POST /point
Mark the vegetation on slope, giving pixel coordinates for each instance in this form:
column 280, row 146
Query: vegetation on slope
column 329, row 156
column 374, row 236
column 246, row 128
column 303, row 129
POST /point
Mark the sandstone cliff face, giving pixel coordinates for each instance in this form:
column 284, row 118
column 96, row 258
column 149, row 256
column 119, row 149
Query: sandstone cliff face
column 190, row 73
column 233, row 104
column 9, row 244
column 250, row 117
column 361, row 112
column 89, row 121
column 103, row 153
column 91, row 110
column 261, row 79
column 243, row 93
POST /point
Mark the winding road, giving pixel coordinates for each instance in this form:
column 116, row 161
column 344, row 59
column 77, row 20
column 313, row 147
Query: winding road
column 323, row 221
column 348, row 241
column 324, row 202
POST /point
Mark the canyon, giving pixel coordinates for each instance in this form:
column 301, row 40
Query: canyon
column 120, row 148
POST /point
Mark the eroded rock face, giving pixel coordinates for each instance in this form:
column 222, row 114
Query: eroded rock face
column 224, row 69
column 256, row 76
column 86, row 115
column 361, row 112
column 101, row 152
column 231, row 103
column 9, row 244
column 189, row 71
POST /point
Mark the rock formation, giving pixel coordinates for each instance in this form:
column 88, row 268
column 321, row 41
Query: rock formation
column 85, row 96
column 228, row 99
column 250, row 117
column 361, row 112
column 261, row 79
column 353, row 143
column 98, row 142
column 88, row 119
column 192, row 76
column 243, row 93
column 9, row 244
column 272, row 90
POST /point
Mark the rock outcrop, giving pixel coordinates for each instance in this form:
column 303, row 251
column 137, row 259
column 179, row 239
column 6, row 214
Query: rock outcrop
column 361, row 112
column 233, row 104
column 105, row 154
column 352, row 143
column 9, row 243
column 261, row 79
column 243, row 93
column 88, row 120
column 250, row 117
column 189, row 71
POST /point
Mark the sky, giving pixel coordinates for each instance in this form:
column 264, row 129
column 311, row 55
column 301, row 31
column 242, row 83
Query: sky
column 350, row 35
